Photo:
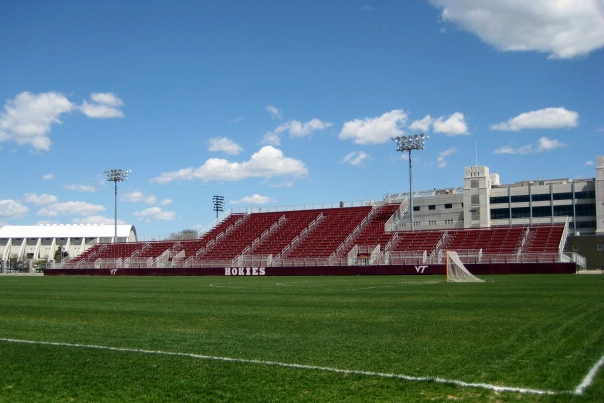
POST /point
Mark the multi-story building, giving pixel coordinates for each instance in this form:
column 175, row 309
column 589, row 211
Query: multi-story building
column 484, row 202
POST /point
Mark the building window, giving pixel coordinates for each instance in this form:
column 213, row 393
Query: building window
column 415, row 208
column 448, row 205
column 520, row 198
column 541, row 197
column 432, row 207
column 586, row 210
column 499, row 199
column 521, row 212
column 575, row 248
column 585, row 195
column 600, row 247
column 500, row 213
column 563, row 196
column 585, row 224
column 542, row 211
column 563, row 211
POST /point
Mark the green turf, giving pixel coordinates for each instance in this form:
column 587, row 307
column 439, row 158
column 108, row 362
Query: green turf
column 539, row 332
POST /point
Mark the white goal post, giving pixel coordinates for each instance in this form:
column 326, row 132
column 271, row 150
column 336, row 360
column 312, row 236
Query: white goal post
column 457, row 272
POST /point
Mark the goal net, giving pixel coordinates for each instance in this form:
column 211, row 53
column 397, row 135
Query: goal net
column 457, row 272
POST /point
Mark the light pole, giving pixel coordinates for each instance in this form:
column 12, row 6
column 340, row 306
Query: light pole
column 408, row 143
column 218, row 204
column 115, row 176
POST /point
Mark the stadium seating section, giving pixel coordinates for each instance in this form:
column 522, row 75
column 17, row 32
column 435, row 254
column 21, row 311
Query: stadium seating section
column 290, row 236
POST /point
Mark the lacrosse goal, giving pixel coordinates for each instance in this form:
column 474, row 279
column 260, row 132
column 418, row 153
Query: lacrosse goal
column 457, row 272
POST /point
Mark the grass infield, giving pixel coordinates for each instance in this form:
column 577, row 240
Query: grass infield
column 523, row 338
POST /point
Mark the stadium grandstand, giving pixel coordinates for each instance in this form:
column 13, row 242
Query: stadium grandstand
column 522, row 227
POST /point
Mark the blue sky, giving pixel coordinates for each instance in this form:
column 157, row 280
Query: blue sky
column 282, row 103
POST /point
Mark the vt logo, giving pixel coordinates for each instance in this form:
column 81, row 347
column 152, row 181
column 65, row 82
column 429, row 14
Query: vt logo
column 420, row 269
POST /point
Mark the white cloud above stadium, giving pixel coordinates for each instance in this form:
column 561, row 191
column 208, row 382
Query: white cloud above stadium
column 286, row 104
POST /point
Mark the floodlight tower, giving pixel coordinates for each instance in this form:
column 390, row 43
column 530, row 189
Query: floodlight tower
column 115, row 176
column 218, row 204
column 408, row 143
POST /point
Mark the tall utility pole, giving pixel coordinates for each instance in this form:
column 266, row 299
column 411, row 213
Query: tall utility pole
column 408, row 143
column 218, row 204
column 116, row 175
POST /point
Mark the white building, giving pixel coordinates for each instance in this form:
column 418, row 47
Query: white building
column 484, row 202
column 45, row 242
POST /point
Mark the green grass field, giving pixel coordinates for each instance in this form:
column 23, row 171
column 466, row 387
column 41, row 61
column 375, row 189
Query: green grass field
column 301, row 339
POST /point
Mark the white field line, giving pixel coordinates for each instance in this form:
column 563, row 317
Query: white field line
column 589, row 377
column 578, row 391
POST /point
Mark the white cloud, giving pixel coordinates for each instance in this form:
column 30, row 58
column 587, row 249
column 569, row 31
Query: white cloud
column 48, row 177
column 548, row 118
column 225, row 145
column 544, row 144
column 104, row 105
column 282, row 184
column 453, row 125
column 165, row 202
column 267, row 162
column 71, row 208
column 27, row 118
column 81, row 188
column 275, row 112
column 423, row 124
column 181, row 175
column 562, row 28
column 12, row 209
column 155, row 213
column 356, row 158
column 97, row 219
column 299, row 129
column 254, row 199
column 505, row 150
column 295, row 129
column 376, row 130
column 271, row 138
column 138, row 197
column 40, row 200
column 441, row 160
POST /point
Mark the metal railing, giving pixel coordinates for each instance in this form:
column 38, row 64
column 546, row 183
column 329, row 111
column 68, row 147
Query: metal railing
column 371, row 256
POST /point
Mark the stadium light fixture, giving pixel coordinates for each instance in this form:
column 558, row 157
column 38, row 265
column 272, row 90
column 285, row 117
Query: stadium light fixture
column 115, row 176
column 218, row 204
column 408, row 143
